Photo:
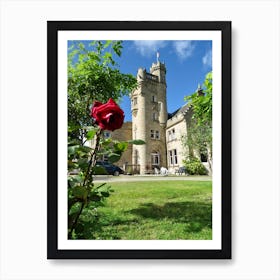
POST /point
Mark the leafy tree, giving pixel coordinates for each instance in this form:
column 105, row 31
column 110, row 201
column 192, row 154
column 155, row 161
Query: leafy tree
column 199, row 136
column 93, row 75
column 201, row 102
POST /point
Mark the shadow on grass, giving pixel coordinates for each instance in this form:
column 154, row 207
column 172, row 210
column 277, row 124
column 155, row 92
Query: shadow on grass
column 197, row 215
column 194, row 216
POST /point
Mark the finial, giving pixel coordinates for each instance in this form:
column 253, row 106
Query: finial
column 199, row 90
column 157, row 56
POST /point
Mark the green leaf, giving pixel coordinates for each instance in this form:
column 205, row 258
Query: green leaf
column 83, row 163
column 75, row 179
column 108, row 43
column 90, row 134
column 75, row 208
column 99, row 170
column 106, row 142
column 120, row 146
column 80, row 192
column 105, row 194
column 95, row 197
column 72, row 165
column 72, row 149
column 85, row 149
column 136, row 142
column 114, row 157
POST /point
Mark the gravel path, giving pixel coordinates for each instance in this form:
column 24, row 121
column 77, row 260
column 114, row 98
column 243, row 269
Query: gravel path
column 125, row 178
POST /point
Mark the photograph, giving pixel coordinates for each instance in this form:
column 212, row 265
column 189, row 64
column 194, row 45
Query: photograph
column 139, row 141
column 137, row 169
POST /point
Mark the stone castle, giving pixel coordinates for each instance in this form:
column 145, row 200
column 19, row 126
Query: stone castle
column 162, row 132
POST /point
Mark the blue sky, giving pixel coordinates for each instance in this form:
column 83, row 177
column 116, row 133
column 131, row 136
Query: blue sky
column 187, row 63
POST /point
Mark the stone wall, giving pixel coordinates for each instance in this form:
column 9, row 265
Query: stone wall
column 124, row 134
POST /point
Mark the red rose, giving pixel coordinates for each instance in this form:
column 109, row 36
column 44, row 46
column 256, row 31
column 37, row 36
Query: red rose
column 108, row 116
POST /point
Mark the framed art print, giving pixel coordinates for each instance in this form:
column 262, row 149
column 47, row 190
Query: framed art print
column 139, row 140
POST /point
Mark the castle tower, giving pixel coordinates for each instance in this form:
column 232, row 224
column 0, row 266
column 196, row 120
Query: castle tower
column 149, row 116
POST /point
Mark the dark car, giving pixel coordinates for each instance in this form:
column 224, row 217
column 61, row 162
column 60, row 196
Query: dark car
column 108, row 168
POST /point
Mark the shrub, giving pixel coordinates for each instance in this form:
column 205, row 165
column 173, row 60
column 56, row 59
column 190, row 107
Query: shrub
column 195, row 167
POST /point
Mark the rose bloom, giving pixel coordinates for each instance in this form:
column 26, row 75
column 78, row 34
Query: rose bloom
column 108, row 116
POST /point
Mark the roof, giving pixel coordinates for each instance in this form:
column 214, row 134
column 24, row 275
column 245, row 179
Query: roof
column 183, row 109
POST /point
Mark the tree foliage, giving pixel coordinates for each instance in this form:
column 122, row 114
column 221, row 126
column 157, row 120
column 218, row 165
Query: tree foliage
column 93, row 75
column 199, row 136
column 201, row 104
column 194, row 166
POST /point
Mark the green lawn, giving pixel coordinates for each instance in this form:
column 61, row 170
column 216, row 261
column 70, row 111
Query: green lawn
column 165, row 210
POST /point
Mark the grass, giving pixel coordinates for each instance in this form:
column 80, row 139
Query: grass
column 167, row 210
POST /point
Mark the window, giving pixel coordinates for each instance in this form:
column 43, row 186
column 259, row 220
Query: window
column 170, row 158
column 135, row 101
column 175, row 156
column 155, row 116
column 155, row 158
column 203, row 154
column 171, row 134
column 203, row 158
column 155, row 134
column 154, row 98
column 173, row 159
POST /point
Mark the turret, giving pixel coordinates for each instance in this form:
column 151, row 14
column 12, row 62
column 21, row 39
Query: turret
column 158, row 69
column 141, row 74
column 149, row 116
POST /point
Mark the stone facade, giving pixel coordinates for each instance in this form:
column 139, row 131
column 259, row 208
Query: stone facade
column 176, row 128
column 162, row 132
column 149, row 117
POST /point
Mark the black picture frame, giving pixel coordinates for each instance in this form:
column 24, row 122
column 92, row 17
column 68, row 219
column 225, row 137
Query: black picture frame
column 53, row 27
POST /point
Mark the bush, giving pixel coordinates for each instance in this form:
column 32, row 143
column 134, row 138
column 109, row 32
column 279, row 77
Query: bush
column 195, row 167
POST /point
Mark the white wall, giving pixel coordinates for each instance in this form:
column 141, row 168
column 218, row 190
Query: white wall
column 180, row 130
column 255, row 139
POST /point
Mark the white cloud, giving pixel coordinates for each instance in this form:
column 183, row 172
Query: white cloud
column 183, row 49
column 149, row 48
column 207, row 59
